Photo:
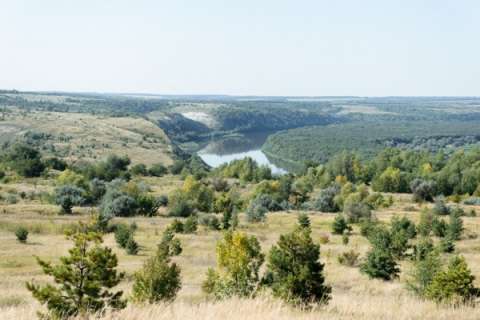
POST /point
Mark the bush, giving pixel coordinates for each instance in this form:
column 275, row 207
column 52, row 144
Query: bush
column 339, row 225
column 190, row 225
column 455, row 227
column 380, row 264
column 68, row 196
column 325, row 202
column 349, row 258
column 447, row 245
column 163, row 200
column 84, row 278
column 424, row 226
column 422, row 249
column 147, row 205
column 356, row 211
column 97, row 189
column 424, row 270
column 56, row 164
column 132, row 246
column 122, row 206
column 24, row 160
column 304, row 220
column 123, row 233
column 181, row 208
column 159, row 279
column 239, row 259
column 345, row 239
column 2, row 174
column 403, row 224
column 423, row 190
column 294, row 272
column 256, row 212
column 210, row 221
column 440, row 208
column 439, row 227
column 453, row 285
column 139, row 170
column 22, row 234
column 176, row 226
column 157, row 170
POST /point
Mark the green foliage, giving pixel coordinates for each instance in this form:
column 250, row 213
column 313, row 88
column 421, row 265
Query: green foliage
column 303, row 220
column 455, row 227
column 453, row 285
column 239, row 259
column 403, row 224
column 423, row 271
column 181, row 208
column 340, row 225
column 159, row 279
column 139, row 170
column 247, row 170
column 439, row 227
column 440, row 208
column 84, row 278
column 294, row 272
column 424, row 226
column 447, row 245
column 68, row 196
column 190, row 225
column 123, row 234
column 356, row 211
column 157, row 170
column 381, row 264
column 194, row 194
column 24, row 160
column 256, row 211
column 422, row 249
column 210, row 221
column 147, row 205
column 390, row 180
column 423, row 190
column 22, row 234
column 132, row 246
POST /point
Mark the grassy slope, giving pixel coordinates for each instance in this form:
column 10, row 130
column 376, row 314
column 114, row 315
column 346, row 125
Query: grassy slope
column 92, row 136
column 354, row 295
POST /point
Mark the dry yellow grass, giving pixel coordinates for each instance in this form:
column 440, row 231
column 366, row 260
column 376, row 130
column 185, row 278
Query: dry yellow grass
column 86, row 136
column 354, row 295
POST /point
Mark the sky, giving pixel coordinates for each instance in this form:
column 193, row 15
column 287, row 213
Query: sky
column 247, row 47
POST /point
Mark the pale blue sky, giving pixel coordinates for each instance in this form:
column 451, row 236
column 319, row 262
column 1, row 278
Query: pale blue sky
column 247, row 47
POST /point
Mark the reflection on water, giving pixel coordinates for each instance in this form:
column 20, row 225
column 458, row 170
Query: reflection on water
column 220, row 151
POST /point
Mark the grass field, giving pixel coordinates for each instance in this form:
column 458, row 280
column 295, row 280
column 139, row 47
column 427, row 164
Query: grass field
column 354, row 295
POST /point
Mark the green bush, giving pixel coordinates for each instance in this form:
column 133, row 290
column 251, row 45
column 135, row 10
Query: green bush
column 159, row 279
column 422, row 248
column 210, row 221
column 139, row 170
column 454, row 285
column 455, row 227
column 190, row 225
column 68, row 196
column 304, row 220
column 239, row 259
column 132, row 246
column 439, row 227
column 381, row 264
column 157, row 170
column 403, row 224
column 256, row 212
column 424, row 269
column 294, row 272
column 356, row 211
column 83, row 279
column 339, row 225
column 22, row 234
column 147, row 205
column 24, row 160
column 123, row 233
column 181, row 208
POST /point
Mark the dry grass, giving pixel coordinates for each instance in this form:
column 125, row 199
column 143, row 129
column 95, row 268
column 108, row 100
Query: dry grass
column 354, row 295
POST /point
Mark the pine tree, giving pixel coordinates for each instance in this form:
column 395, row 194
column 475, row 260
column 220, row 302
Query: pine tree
column 159, row 279
column 455, row 227
column 380, row 264
column 84, row 278
column 132, row 246
column 304, row 220
column 294, row 271
column 339, row 225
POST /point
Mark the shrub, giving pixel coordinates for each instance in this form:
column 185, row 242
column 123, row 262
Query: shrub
column 2, row 174
column 148, row 205
column 294, row 272
column 97, row 189
column 176, row 226
column 122, row 206
column 447, row 245
column 181, row 208
column 256, row 212
column 157, row 170
column 403, row 224
column 339, row 225
column 367, row 226
column 159, row 279
column 190, row 225
column 132, row 246
column 325, row 201
column 380, row 264
column 455, row 227
column 453, row 285
column 239, row 259
column 304, row 220
column 210, row 221
column 24, row 160
column 139, row 169
column 163, row 200
column 122, row 234
column 439, row 227
column 56, row 164
column 84, row 278
column 423, row 190
column 424, row 226
column 355, row 211
column 22, row 234
column 440, row 208
column 68, row 196
column 424, row 270
column 349, row 258
column 422, row 249
column 345, row 239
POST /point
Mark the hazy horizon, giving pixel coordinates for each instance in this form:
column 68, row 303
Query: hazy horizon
column 274, row 48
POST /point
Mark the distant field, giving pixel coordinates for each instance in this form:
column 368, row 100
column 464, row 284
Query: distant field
column 85, row 136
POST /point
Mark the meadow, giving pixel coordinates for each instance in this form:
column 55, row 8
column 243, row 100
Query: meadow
column 354, row 295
